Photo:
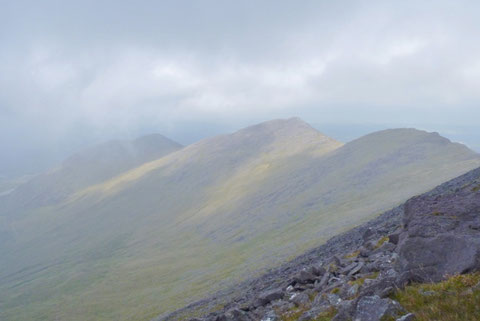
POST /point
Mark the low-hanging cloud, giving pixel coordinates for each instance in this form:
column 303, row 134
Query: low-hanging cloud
column 120, row 64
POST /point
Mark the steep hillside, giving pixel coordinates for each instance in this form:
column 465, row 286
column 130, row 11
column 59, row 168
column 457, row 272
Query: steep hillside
column 91, row 166
column 418, row 261
column 218, row 211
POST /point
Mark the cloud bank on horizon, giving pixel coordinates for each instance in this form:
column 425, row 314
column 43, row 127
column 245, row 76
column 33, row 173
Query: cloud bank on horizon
column 109, row 65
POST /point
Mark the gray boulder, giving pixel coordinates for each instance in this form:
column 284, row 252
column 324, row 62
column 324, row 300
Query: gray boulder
column 382, row 286
column 356, row 269
column 300, row 299
column 237, row 315
column 282, row 306
column 345, row 310
column 333, row 299
column 438, row 239
column 304, row 277
column 269, row 296
column 394, row 238
column 319, row 285
column 352, row 291
column 321, row 302
column 374, row 308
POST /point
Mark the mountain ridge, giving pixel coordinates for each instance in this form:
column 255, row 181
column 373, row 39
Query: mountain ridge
column 263, row 134
column 208, row 215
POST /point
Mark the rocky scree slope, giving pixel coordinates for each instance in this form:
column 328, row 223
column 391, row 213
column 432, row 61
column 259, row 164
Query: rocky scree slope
column 351, row 277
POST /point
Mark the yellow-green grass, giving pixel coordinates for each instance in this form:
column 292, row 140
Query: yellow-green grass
column 456, row 299
column 382, row 241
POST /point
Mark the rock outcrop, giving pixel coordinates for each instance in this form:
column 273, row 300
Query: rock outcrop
column 441, row 235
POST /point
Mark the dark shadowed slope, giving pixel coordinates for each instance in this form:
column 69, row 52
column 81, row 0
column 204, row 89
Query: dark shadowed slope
column 192, row 222
column 88, row 167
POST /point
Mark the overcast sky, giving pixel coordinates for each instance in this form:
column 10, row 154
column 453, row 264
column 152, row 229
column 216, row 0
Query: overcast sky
column 72, row 72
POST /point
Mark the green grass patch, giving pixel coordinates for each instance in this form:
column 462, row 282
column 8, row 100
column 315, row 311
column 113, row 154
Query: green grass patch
column 335, row 291
column 295, row 314
column 456, row 299
column 382, row 241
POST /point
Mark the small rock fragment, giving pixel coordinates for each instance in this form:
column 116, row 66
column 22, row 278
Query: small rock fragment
column 407, row 317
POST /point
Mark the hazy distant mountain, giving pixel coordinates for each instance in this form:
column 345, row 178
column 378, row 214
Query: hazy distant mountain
column 174, row 229
column 88, row 167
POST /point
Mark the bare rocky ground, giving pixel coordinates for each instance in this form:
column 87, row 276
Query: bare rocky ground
column 428, row 238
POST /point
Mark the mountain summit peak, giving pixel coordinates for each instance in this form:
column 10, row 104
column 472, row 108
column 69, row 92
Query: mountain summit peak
column 290, row 128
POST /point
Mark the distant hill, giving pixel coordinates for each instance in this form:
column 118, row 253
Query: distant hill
column 199, row 219
column 88, row 167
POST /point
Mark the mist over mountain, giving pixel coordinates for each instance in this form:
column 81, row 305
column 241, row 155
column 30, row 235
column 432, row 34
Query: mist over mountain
column 200, row 218
column 90, row 166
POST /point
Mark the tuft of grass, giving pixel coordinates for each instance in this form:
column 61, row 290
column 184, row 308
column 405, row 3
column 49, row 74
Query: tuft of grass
column 295, row 314
column 476, row 188
column 352, row 255
column 333, row 267
column 335, row 291
column 382, row 241
column 437, row 213
column 326, row 315
column 455, row 299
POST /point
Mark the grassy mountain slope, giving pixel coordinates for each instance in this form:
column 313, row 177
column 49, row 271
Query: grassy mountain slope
column 91, row 166
column 194, row 221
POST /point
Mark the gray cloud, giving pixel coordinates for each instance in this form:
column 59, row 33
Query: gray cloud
column 97, row 69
